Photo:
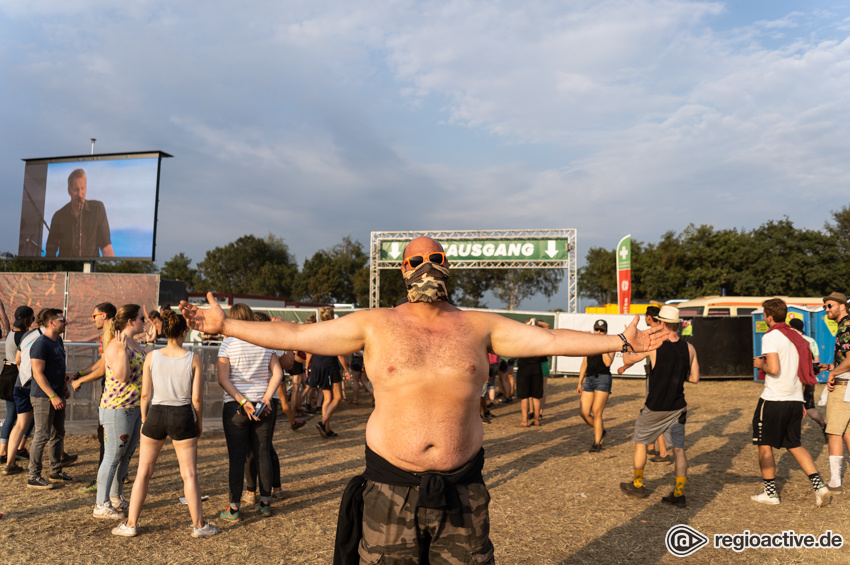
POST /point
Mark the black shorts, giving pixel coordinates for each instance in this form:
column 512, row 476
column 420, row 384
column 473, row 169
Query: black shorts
column 325, row 377
column 505, row 365
column 529, row 386
column 176, row 422
column 778, row 423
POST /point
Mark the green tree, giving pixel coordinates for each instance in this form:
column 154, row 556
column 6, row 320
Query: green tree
column 515, row 285
column 597, row 279
column 250, row 265
column 179, row 268
column 21, row 265
column 468, row 286
column 839, row 231
column 393, row 288
column 134, row 267
column 331, row 275
column 792, row 262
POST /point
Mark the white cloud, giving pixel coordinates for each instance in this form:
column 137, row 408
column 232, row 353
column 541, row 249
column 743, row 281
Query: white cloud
column 319, row 119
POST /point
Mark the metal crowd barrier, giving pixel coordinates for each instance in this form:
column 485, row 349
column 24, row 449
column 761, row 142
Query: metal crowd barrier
column 83, row 404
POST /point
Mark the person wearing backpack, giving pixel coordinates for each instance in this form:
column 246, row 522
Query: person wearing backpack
column 777, row 422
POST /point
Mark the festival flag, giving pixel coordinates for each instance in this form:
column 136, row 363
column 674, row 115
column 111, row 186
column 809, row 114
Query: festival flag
column 624, row 274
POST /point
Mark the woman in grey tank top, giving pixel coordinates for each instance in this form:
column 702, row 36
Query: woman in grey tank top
column 172, row 406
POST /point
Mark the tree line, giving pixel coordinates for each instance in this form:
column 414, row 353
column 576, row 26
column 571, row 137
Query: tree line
column 775, row 258
column 340, row 274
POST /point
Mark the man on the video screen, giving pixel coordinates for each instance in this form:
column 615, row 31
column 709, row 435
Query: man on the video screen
column 79, row 228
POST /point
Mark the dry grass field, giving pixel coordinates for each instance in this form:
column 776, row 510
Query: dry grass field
column 552, row 502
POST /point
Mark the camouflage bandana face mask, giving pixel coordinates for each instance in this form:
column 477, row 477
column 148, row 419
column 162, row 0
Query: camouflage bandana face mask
column 427, row 283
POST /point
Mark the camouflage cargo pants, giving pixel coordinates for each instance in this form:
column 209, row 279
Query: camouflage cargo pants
column 389, row 527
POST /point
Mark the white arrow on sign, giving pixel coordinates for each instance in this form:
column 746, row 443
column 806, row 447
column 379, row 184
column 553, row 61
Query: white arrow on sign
column 551, row 251
column 394, row 250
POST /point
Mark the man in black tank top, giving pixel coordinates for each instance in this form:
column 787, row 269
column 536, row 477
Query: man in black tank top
column 665, row 411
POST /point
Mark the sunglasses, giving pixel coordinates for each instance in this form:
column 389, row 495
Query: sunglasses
column 94, row 316
column 437, row 257
column 60, row 320
column 828, row 306
column 600, row 331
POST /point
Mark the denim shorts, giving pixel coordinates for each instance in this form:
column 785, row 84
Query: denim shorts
column 602, row 383
column 22, row 399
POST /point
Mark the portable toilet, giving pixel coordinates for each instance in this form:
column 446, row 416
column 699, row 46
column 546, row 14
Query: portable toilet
column 812, row 317
column 759, row 329
column 824, row 333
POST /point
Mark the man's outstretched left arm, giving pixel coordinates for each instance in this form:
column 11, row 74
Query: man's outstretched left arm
column 513, row 339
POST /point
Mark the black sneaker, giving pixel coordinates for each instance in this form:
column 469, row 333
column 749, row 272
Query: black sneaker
column 595, row 448
column 23, row 454
column 40, row 483
column 677, row 501
column 630, row 489
column 11, row 469
column 322, row 429
column 2, row 459
column 68, row 460
column 61, row 476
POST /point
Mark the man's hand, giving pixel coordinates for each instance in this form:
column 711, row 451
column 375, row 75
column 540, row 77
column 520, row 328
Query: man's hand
column 208, row 320
column 57, row 402
column 76, row 385
column 759, row 363
column 621, row 369
column 648, row 339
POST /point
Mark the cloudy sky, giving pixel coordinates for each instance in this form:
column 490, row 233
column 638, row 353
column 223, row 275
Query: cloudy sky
column 319, row 119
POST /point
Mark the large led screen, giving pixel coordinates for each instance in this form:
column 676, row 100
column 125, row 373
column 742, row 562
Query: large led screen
column 92, row 207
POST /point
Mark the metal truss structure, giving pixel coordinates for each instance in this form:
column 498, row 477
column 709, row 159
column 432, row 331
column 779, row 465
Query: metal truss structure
column 570, row 264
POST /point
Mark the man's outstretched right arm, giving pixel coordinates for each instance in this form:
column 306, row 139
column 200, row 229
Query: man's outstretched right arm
column 334, row 337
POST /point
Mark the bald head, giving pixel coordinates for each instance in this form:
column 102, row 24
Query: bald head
column 421, row 245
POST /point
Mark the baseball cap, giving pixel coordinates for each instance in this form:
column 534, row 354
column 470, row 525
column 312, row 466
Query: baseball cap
column 21, row 314
column 600, row 325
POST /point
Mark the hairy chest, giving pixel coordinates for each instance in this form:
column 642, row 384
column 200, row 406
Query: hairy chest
column 447, row 348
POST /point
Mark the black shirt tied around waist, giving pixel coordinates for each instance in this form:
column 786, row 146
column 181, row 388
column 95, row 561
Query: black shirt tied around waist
column 436, row 490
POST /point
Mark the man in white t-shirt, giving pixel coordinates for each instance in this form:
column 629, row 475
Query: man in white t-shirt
column 779, row 414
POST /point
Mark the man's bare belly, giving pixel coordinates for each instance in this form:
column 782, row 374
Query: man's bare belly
column 425, row 436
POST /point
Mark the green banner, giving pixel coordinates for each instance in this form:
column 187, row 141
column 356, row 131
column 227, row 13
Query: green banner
column 624, row 253
column 490, row 249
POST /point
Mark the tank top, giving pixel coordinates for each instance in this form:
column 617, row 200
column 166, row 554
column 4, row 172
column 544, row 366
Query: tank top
column 171, row 379
column 667, row 379
column 122, row 396
column 596, row 366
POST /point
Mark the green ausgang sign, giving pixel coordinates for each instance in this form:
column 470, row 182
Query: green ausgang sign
column 490, row 249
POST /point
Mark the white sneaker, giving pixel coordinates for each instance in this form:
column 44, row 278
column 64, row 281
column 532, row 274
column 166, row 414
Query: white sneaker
column 206, row 531
column 124, row 530
column 823, row 496
column 106, row 511
column 765, row 499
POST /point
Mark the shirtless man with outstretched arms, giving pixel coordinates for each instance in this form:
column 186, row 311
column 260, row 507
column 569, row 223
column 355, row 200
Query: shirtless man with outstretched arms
column 427, row 361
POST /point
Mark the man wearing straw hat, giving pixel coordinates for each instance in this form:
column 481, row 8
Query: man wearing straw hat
column 665, row 410
column 837, row 405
